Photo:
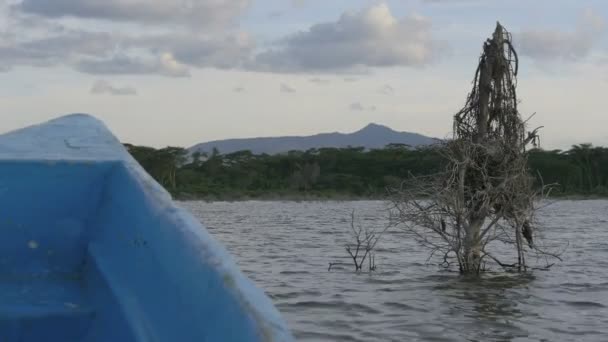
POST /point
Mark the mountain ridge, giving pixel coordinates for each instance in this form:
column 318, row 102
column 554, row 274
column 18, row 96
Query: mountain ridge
column 371, row 136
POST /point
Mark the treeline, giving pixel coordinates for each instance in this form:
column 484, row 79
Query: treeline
column 345, row 172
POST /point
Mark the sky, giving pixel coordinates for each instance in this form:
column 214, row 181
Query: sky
column 180, row 72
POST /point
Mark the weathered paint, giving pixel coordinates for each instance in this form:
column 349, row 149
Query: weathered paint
column 93, row 249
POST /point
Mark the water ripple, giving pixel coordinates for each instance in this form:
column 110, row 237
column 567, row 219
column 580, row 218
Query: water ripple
column 285, row 247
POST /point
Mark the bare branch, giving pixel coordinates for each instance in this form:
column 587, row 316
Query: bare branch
column 485, row 193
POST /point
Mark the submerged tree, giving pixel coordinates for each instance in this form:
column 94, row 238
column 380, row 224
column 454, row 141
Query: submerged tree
column 485, row 194
column 361, row 246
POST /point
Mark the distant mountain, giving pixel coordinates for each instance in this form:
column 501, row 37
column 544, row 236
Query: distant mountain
column 371, row 136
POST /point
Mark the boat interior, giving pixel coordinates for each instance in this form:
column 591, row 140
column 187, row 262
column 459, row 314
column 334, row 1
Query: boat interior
column 86, row 254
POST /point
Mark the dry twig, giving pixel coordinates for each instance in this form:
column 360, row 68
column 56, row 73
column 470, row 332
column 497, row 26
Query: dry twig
column 485, row 194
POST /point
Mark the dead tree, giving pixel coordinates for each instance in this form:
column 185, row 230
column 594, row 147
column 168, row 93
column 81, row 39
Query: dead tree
column 361, row 246
column 485, row 194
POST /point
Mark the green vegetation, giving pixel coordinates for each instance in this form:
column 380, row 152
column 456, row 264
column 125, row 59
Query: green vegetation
column 346, row 172
column 582, row 170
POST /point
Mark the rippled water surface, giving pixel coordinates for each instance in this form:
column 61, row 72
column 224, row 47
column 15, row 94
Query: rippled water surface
column 285, row 247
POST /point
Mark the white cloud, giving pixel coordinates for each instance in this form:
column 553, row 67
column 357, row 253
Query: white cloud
column 369, row 38
column 33, row 33
column 299, row 3
column 319, row 81
column 104, row 87
column 171, row 67
column 358, row 107
column 387, row 89
column 56, row 48
column 165, row 65
column 286, row 88
column 275, row 14
column 453, row 2
column 563, row 45
column 224, row 51
column 206, row 13
column 357, row 40
column 105, row 53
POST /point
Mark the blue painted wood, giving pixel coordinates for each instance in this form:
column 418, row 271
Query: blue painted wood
column 93, row 249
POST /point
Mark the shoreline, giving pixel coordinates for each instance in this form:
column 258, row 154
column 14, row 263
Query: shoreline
column 273, row 197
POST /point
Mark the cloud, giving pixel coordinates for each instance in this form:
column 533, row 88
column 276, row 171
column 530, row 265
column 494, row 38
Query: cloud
column 387, row 89
column 55, row 49
column 275, row 14
column 369, row 38
column 34, row 35
column 453, row 2
column 207, row 13
column 171, row 67
column 224, row 51
column 168, row 54
column 563, row 45
column 319, row 81
column 350, row 79
column 238, row 89
column 165, row 65
column 286, row 88
column 104, row 87
column 299, row 3
column 358, row 107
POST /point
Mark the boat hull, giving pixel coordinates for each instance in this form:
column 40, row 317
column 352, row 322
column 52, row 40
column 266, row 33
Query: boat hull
column 93, row 249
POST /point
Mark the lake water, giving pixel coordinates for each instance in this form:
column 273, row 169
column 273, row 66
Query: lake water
column 285, row 247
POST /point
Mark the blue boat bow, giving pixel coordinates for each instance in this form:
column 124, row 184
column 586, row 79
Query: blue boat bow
column 93, row 249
